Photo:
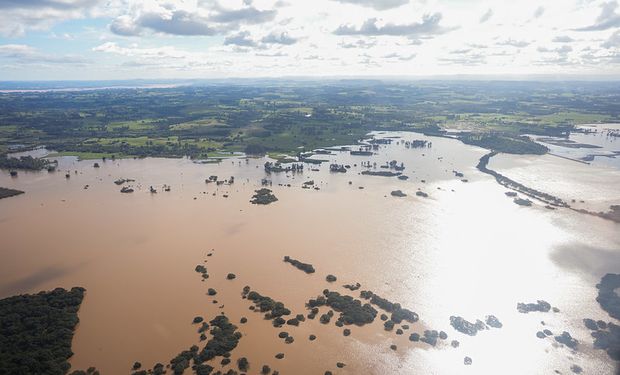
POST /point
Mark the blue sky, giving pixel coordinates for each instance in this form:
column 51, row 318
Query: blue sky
column 124, row 39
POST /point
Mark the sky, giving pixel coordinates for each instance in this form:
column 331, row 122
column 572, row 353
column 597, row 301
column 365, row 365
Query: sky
column 157, row 39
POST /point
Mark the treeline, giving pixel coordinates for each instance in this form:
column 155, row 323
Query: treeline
column 504, row 143
column 24, row 162
column 150, row 149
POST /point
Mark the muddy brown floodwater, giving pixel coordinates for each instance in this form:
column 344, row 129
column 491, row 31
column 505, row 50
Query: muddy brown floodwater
column 466, row 250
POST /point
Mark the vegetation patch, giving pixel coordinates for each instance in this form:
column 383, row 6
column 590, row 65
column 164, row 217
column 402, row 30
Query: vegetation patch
column 273, row 310
column 202, row 270
column 606, row 337
column 6, row 192
column 24, row 162
column 398, row 313
column 351, row 310
column 381, row 173
column 306, row 267
column 566, row 339
column 466, row 327
column 540, row 306
column 506, row 144
column 36, row 331
column 263, row 196
column 224, row 339
column 607, row 296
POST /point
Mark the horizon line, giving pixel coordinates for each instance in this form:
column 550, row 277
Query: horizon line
column 437, row 77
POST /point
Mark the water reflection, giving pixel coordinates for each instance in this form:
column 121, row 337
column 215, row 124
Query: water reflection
column 35, row 280
column 587, row 259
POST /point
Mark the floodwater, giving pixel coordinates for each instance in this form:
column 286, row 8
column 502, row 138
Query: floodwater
column 605, row 150
column 466, row 250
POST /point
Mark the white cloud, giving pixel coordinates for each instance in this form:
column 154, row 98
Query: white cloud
column 178, row 22
column 486, row 16
column 560, row 50
column 279, row 38
column 397, row 56
column 192, row 38
column 19, row 16
column 607, row 19
column 167, row 52
column 428, row 27
column 563, row 39
column 613, row 41
column 247, row 14
column 188, row 19
column 377, row 4
column 242, row 38
column 539, row 12
column 360, row 43
column 25, row 54
column 514, row 43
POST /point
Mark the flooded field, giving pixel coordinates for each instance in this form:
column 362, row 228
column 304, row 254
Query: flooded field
column 465, row 249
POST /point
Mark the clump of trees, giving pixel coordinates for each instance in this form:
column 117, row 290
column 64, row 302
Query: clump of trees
column 263, row 196
column 398, row 312
column 201, row 269
column 351, row 310
column 606, row 337
column 243, row 364
column 540, row 306
column 466, row 327
column 398, row 193
column 36, row 331
column 24, row 162
column 224, row 339
column 306, row 267
column 273, row 310
column 607, row 296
